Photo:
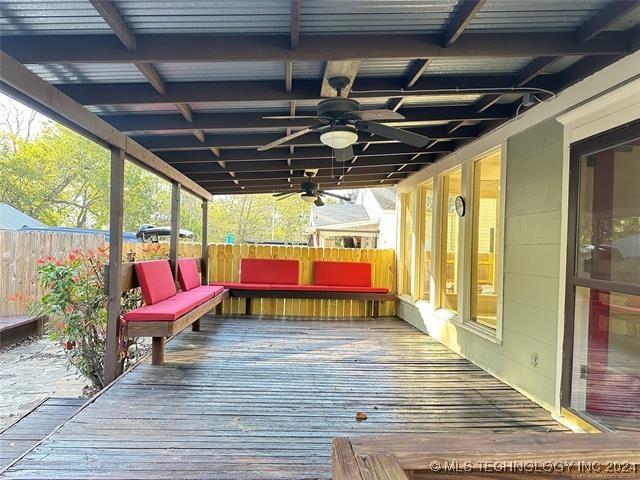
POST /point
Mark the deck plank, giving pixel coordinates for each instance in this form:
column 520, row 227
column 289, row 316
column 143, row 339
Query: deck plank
column 249, row 398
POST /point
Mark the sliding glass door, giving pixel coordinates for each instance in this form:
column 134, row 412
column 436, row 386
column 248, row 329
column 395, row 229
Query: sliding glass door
column 602, row 380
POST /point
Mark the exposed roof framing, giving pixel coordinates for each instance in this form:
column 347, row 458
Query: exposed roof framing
column 196, row 95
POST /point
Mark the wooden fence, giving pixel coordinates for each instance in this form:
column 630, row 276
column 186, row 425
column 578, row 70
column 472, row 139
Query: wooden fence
column 20, row 251
column 224, row 266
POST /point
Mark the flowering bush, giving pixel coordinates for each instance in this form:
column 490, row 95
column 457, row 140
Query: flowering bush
column 76, row 304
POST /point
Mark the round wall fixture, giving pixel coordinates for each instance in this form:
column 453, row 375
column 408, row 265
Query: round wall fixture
column 460, row 206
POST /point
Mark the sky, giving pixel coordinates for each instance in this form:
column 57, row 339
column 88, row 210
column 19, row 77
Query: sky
column 11, row 109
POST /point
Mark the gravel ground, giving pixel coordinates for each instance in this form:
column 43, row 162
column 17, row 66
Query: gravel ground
column 31, row 371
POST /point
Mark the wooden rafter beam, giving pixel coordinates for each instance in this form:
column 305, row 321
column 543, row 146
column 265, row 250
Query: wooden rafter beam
column 249, row 92
column 295, row 24
column 110, row 15
column 417, row 69
column 288, row 76
column 152, row 75
column 231, row 189
column 249, row 121
column 158, row 48
column 613, row 12
column 47, row 99
column 185, row 142
column 461, row 18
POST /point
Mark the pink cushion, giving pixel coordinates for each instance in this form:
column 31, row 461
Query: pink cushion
column 255, row 270
column 359, row 289
column 302, row 288
column 174, row 307
column 243, row 286
column 347, row 274
column 156, row 280
column 188, row 275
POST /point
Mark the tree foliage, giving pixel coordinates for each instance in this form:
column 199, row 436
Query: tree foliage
column 62, row 179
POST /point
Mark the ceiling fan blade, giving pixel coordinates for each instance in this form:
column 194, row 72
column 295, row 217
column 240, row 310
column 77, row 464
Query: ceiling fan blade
column 343, row 154
column 393, row 133
column 283, row 195
column 318, row 201
column 380, row 115
column 340, row 197
column 285, row 139
column 290, row 117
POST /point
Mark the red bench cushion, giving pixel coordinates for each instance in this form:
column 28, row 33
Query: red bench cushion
column 174, row 307
column 254, row 270
column 243, row 286
column 346, row 274
column 156, row 280
column 299, row 288
column 188, row 275
column 335, row 288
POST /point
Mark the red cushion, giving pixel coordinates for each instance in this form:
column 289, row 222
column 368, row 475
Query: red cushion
column 348, row 274
column 359, row 289
column 243, row 286
column 254, row 270
column 296, row 288
column 156, row 280
column 188, row 275
column 174, row 307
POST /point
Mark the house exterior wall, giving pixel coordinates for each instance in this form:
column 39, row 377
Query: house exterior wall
column 526, row 350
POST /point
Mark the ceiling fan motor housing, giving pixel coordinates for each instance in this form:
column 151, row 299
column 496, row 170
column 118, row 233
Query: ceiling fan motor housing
column 309, row 187
column 336, row 107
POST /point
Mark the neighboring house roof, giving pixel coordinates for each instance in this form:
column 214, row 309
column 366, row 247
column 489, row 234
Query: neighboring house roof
column 13, row 219
column 386, row 197
column 337, row 214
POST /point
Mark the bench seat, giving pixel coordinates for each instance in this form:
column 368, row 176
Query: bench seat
column 280, row 287
column 355, row 289
column 173, row 307
column 243, row 285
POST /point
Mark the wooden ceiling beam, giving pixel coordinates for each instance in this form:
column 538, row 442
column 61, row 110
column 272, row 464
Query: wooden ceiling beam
column 288, row 76
column 152, row 75
column 461, row 18
column 185, row 142
column 417, row 69
column 322, row 180
column 339, row 68
column 295, row 24
column 613, row 12
column 110, row 15
column 232, row 189
column 251, row 121
column 250, row 92
column 166, row 48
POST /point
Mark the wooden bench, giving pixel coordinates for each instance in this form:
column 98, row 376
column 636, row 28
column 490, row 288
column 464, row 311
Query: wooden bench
column 481, row 456
column 186, row 308
column 273, row 278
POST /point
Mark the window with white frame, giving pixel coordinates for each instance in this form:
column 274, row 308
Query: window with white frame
column 426, row 197
column 407, row 205
column 450, row 237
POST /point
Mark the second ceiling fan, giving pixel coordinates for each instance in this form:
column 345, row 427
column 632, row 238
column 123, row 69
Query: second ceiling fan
column 340, row 119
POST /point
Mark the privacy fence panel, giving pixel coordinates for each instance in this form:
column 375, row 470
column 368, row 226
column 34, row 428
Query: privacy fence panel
column 224, row 266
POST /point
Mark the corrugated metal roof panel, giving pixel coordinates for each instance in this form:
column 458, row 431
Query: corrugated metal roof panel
column 384, row 67
column 50, row 18
column 527, row 16
column 371, row 16
column 476, row 66
column 220, row 71
column 88, row 73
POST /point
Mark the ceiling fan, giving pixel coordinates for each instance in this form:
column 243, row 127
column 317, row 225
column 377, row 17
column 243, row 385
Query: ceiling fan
column 340, row 120
column 310, row 191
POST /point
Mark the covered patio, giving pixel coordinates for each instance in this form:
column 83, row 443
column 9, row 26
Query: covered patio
column 186, row 90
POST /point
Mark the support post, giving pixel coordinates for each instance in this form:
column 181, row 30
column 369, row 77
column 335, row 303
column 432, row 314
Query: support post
column 157, row 351
column 116, row 200
column 205, row 247
column 175, row 228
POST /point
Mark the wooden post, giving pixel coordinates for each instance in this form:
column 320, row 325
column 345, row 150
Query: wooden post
column 157, row 351
column 116, row 200
column 175, row 228
column 205, row 247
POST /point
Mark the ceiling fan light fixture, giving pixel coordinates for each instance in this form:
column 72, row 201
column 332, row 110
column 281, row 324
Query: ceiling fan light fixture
column 339, row 137
column 308, row 197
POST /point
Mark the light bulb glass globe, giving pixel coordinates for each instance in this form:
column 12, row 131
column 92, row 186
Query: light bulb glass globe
column 308, row 197
column 340, row 137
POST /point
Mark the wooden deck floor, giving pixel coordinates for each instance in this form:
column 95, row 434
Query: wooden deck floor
column 261, row 399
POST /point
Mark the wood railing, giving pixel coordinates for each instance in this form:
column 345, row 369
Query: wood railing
column 224, row 266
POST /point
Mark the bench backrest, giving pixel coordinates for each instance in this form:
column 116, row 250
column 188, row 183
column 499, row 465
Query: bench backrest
column 342, row 274
column 255, row 270
column 156, row 280
column 128, row 277
column 188, row 276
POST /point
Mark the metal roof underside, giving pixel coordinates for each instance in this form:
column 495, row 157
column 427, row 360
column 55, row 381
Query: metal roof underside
column 203, row 113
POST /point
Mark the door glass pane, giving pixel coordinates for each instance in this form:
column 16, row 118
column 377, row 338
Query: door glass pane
column 451, row 188
column 407, row 243
column 484, row 253
column 606, row 357
column 426, row 241
column 609, row 214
